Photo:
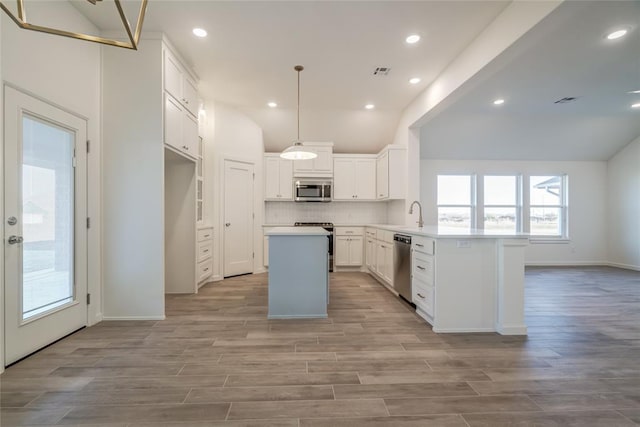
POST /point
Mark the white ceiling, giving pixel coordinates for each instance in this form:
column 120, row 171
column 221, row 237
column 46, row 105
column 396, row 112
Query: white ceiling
column 249, row 55
column 565, row 55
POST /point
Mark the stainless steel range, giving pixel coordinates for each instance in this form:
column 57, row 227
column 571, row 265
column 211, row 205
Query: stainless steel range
column 327, row 226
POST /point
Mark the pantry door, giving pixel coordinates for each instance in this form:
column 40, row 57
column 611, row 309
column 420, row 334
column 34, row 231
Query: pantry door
column 45, row 233
column 238, row 218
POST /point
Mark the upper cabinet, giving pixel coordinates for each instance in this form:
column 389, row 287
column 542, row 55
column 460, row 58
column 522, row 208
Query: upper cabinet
column 180, row 107
column 278, row 177
column 320, row 167
column 354, row 177
column 391, row 172
column 178, row 83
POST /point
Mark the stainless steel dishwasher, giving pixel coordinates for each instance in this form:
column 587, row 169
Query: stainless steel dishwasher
column 402, row 265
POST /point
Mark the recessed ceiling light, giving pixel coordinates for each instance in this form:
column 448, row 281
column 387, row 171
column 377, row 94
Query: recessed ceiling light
column 369, row 106
column 636, row 105
column 414, row 81
column 199, row 32
column 498, row 102
column 413, row 38
column 272, row 104
column 617, row 34
column 634, row 91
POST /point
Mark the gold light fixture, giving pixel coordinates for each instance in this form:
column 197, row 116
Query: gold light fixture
column 297, row 151
column 132, row 33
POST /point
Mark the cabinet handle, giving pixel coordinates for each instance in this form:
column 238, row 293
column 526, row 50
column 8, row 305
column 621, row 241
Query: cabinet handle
column 420, row 267
column 205, row 251
column 349, row 232
column 227, row 224
column 206, row 235
column 419, row 245
column 420, row 295
column 207, row 269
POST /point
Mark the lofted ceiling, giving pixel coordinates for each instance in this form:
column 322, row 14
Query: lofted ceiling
column 565, row 55
column 248, row 58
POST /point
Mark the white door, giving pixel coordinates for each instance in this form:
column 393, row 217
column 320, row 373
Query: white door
column 238, row 218
column 344, row 177
column 45, row 232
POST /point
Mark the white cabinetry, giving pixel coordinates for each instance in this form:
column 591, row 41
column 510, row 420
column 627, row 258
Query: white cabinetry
column 423, row 275
column 278, row 177
column 379, row 254
column 178, row 83
column 349, row 246
column 354, row 177
column 205, row 254
column 321, row 166
column 391, row 172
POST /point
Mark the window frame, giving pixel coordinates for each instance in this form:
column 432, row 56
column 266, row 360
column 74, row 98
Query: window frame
column 473, row 206
column 563, row 208
column 518, row 200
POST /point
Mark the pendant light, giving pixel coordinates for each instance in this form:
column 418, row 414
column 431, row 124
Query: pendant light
column 297, row 151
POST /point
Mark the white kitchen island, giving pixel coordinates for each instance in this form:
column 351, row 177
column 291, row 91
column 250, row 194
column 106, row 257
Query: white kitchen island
column 298, row 272
column 467, row 280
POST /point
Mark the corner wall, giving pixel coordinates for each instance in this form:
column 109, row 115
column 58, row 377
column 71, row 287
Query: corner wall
column 587, row 205
column 623, row 187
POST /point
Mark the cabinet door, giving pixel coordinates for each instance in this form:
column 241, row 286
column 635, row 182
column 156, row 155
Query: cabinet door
column 365, row 179
column 172, row 76
column 172, row 122
column 370, row 254
column 324, row 161
column 285, row 179
column 342, row 250
column 190, row 96
column 380, row 259
column 382, row 176
column 190, row 135
column 271, row 178
column 355, row 251
column 387, row 273
column 344, row 176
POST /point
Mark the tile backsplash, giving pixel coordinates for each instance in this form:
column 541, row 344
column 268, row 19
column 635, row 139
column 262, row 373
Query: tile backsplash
column 286, row 213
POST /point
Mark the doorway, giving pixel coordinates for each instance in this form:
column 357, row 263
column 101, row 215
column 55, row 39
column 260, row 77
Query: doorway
column 45, row 214
column 238, row 218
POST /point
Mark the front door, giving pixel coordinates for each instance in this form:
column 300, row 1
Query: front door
column 238, row 218
column 45, row 224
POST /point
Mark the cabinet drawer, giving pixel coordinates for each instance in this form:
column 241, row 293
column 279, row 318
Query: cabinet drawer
column 423, row 244
column 423, row 296
column 422, row 267
column 205, row 251
column 205, row 269
column 349, row 231
column 205, row 234
column 385, row 236
column 371, row 232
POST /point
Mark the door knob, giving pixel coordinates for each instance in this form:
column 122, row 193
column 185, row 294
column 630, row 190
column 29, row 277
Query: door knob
column 227, row 224
column 15, row 239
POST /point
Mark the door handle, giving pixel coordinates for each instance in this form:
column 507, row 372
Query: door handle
column 227, row 224
column 15, row 240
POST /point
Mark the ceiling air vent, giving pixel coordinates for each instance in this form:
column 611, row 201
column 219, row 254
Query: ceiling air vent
column 381, row 71
column 566, row 100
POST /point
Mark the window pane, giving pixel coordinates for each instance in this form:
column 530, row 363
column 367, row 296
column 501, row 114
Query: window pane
column 546, row 190
column 454, row 190
column 47, row 211
column 500, row 190
column 503, row 219
column 545, row 222
column 454, row 217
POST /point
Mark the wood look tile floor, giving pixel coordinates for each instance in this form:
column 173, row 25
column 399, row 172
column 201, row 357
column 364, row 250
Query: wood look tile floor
column 217, row 361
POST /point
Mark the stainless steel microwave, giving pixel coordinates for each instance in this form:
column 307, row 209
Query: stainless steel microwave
column 312, row 191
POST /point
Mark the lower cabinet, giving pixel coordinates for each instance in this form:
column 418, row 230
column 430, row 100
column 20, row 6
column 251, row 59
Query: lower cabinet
column 349, row 246
column 204, row 254
column 379, row 254
column 423, row 276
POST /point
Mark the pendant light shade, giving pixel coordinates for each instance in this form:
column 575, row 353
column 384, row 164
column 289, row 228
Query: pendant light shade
column 297, row 151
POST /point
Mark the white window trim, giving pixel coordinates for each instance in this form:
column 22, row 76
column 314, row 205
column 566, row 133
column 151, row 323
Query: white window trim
column 563, row 237
column 517, row 206
column 473, row 215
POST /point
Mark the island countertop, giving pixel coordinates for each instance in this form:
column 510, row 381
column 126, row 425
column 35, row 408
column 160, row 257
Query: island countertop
column 297, row 231
column 437, row 232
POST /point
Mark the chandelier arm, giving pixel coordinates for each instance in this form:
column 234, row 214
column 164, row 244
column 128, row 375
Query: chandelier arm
column 125, row 21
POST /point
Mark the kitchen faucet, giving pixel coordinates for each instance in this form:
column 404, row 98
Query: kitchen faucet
column 420, row 221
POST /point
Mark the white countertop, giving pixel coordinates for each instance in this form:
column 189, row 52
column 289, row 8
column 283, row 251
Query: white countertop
column 452, row 232
column 297, row 231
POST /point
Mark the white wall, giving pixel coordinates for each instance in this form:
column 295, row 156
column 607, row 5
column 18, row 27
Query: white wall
column 623, row 171
column 230, row 134
column 587, row 204
column 65, row 72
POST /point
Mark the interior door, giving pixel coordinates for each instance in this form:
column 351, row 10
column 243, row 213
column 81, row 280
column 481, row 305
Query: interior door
column 45, row 224
column 238, row 218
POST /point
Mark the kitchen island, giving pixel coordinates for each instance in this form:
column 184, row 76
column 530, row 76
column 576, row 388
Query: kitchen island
column 466, row 280
column 298, row 272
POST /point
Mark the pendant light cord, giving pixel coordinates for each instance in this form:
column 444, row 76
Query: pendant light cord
column 298, row 68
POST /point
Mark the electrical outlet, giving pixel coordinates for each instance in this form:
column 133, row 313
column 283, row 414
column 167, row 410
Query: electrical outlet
column 463, row 243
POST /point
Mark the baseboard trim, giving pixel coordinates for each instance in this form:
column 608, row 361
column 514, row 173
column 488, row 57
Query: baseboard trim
column 439, row 330
column 302, row 316
column 512, row 330
column 624, row 266
column 116, row 318
column 567, row 264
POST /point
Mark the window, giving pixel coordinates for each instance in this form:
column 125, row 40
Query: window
column 501, row 208
column 456, row 201
column 548, row 206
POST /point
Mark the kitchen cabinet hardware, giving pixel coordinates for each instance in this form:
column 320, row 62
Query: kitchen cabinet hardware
column 419, row 245
column 420, row 267
column 227, row 224
column 420, row 295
